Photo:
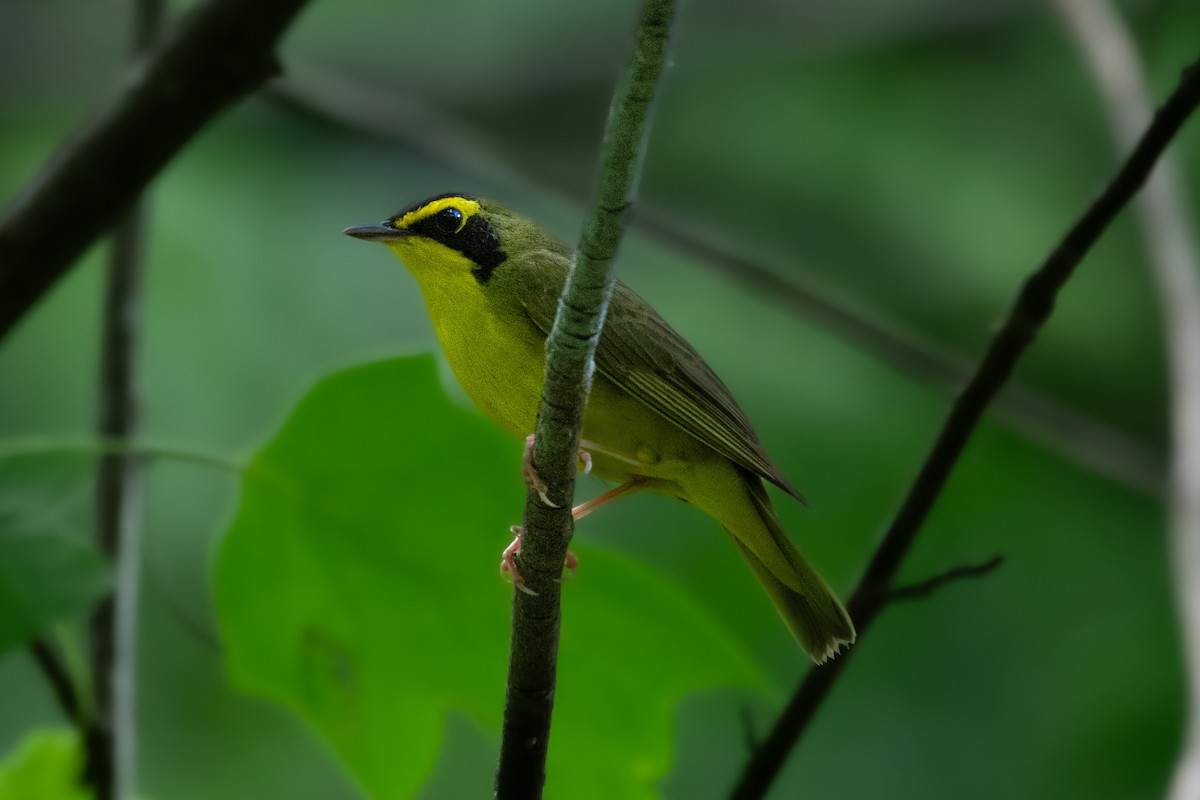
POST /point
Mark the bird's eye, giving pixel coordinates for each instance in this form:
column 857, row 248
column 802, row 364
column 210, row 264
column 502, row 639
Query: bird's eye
column 449, row 219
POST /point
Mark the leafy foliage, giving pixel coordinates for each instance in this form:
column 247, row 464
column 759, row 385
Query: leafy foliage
column 912, row 160
column 45, row 766
column 357, row 585
column 47, row 572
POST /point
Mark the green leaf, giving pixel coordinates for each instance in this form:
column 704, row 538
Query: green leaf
column 45, row 766
column 47, row 573
column 358, row 586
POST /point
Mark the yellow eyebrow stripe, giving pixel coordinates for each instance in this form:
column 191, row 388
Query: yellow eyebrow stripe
column 468, row 208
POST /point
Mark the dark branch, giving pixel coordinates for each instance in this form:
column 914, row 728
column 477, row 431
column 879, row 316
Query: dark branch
column 58, row 678
column 1172, row 246
column 109, row 737
column 570, row 348
column 1033, row 306
column 218, row 53
column 928, row 586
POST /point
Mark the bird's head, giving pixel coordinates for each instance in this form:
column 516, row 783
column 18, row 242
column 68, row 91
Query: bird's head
column 454, row 237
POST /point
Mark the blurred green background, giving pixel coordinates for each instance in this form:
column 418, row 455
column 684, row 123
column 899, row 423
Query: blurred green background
column 911, row 160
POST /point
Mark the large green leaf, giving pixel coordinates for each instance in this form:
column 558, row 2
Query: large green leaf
column 45, row 766
column 47, row 573
column 358, row 586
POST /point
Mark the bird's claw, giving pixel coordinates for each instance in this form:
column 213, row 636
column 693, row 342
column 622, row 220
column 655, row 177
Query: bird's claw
column 532, row 479
column 535, row 482
column 508, row 563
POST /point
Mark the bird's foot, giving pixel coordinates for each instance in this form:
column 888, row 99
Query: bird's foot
column 535, row 482
column 532, row 479
column 508, row 562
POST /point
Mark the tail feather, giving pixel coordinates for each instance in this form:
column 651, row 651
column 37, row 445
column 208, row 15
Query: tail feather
column 809, row 607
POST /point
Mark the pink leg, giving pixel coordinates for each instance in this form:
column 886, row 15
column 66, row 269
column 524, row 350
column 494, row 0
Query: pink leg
column 508, row 563
column 534, row 481
column 586, row 448
column 632, row 485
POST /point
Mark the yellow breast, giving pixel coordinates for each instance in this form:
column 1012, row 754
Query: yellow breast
column 497, row 354
column 499, row 358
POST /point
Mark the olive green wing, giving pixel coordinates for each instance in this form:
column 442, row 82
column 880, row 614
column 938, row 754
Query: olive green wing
column 642, row 354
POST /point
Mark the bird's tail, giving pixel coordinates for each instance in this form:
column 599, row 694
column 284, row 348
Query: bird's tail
column 809, row 607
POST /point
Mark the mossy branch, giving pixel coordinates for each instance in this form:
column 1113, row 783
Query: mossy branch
column 1030, row 310
column 570, row 352
column 219, row 52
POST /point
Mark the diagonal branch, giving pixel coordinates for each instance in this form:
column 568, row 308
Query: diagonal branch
column 570, row 350
column 928, row 586
column 219, row 52
column 59, row 677
column 1032, row 307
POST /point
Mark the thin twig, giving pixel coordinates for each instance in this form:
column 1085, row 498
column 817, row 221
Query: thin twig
column 24, row 446
column 111, row 736
column 59, row 678
column 928, row 586
column 351, row 105
column 1033, row 306
column 1164, row 216
column 218, row 53
column 749, row 730
column 570, row 350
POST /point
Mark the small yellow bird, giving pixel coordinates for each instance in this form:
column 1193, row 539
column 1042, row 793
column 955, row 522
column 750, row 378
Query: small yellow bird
column 658, row 417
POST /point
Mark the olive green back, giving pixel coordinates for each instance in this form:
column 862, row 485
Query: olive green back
column 638, row 351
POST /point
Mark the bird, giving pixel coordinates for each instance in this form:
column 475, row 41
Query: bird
column 657, row 419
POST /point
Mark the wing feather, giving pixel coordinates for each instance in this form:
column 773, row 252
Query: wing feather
column 639, row 352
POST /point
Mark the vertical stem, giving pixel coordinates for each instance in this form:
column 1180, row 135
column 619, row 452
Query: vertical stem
column 1174, row 262
column 219, row 52
column 110, row 736
column 570, row 351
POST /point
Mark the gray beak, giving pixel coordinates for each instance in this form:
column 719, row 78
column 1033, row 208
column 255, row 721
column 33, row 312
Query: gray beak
column 374, row 232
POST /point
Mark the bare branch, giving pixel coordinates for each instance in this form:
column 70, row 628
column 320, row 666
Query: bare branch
column 49, row 662
column 1033, row 306
column 930, row 585
column 570, row 351
column 111, row 734
column 1164, row 215
column 219, row 52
